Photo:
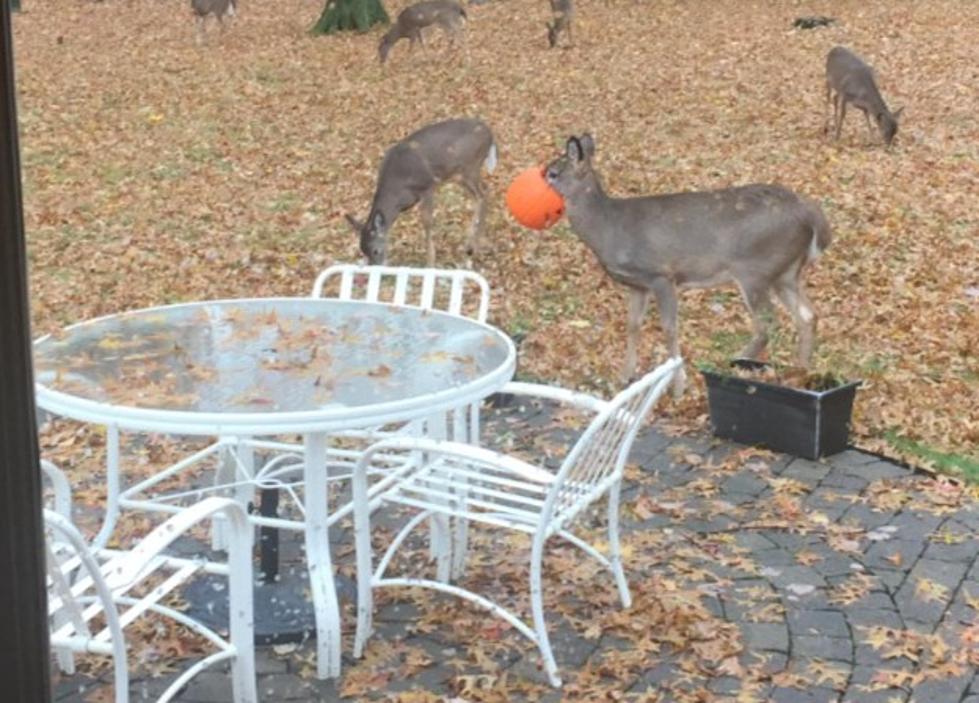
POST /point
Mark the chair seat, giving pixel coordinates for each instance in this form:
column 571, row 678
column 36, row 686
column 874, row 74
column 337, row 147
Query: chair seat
column 510, row 494
column 172, row 573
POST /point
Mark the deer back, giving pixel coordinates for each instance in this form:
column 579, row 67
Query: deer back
column 699, row 238
column 218, row 8
column 433, row 154
column 424, row 14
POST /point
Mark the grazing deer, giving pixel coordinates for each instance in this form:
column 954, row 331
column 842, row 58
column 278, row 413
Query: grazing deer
column 414, row 168
column 219, row 8
column 852, row 81
column 563, row 12
column 446, row 14
column 760, row 237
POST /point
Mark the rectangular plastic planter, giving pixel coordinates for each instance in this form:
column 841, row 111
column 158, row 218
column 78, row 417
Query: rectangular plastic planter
column 800, row 422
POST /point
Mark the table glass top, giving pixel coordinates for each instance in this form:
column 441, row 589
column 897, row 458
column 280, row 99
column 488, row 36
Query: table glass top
column 260, row 356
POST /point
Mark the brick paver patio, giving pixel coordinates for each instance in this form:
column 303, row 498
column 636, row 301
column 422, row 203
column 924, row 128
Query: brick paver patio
column 849, row 579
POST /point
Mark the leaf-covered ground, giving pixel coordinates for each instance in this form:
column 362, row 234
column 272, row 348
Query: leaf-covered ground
column 156, row 170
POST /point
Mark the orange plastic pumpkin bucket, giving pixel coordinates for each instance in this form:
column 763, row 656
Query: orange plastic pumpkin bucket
column 532, row 201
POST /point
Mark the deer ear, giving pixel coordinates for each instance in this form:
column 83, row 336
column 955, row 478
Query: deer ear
column 588, row 143
column 897, row 113
column 354, row 222
column 574, row 149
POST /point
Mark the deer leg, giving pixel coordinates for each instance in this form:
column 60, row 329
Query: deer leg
column 759, row 304
column 474, row 184
column 638, row 302
column 200, row 32
column 794, row 298
column 427, row 211
column 840, row 115
column 668, row 319
column 826, row 112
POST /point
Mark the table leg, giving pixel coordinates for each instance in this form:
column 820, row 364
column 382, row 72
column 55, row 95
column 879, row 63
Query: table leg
column 318, row 556
column 462, row 431
column 112, row 480
column 236, row 465
column 440, row 538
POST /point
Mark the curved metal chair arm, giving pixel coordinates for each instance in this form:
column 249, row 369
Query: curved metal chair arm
column 129, row 567
column 61, row 487
column 456, row 449
column 561, row 395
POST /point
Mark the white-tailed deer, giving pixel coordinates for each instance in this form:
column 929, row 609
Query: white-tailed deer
column 850, row 80
column 413, row 19
column 414, row 168
column 219, row 8
column 760, row 237
column 563, row 12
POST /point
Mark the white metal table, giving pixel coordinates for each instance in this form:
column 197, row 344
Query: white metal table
column 259, row 367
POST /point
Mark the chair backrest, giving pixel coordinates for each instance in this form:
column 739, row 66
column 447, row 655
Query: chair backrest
column 75, row 587
column 598, row 458
column 456, row 291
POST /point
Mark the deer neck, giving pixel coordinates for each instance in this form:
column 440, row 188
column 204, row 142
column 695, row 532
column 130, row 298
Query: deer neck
column 589, row 214
column 872, row 100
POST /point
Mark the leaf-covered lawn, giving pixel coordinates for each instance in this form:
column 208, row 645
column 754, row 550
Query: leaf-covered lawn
column 158, row 171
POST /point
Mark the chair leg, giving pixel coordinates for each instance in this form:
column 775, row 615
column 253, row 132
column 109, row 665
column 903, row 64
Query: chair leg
column 113, row 484
column 224, row 473
column 442, row 537
column 615, row 556
column 537, row 607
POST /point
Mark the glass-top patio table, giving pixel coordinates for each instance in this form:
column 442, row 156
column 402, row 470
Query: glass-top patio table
column 260, row 367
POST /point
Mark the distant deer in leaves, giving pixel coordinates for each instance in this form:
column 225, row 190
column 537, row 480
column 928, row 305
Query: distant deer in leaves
column 850, row 80
column 413, row 19
column 563, row 13
column 219, row 8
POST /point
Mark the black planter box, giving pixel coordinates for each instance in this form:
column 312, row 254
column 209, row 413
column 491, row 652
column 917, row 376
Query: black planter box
column 800, row 422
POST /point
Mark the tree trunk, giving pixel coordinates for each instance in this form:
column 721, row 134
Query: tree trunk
column 340, row 15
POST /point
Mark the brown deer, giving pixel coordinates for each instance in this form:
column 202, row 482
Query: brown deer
column 563, row 12
column 446, row 14
column 760, row 237
column 850, row 80
column 414, row 168
column 219, row 8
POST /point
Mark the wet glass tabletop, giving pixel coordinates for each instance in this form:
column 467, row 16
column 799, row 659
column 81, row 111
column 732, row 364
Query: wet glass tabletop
column 270, row 355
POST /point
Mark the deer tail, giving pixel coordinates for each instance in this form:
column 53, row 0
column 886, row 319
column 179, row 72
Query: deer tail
column 490, row 162
column 822, row 235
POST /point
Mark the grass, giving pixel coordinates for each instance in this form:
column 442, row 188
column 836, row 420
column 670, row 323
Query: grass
column 947, row 462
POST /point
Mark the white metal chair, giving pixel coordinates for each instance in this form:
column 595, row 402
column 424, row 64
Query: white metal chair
column 455, row 291
column 94, row 594
column 454, row 480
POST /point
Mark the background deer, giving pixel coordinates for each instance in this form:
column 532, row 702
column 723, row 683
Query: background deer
column 563, row 12
column 414, row 168
column 219, row 8
column 850, row 80
column 760, row 237
column 446, row 14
